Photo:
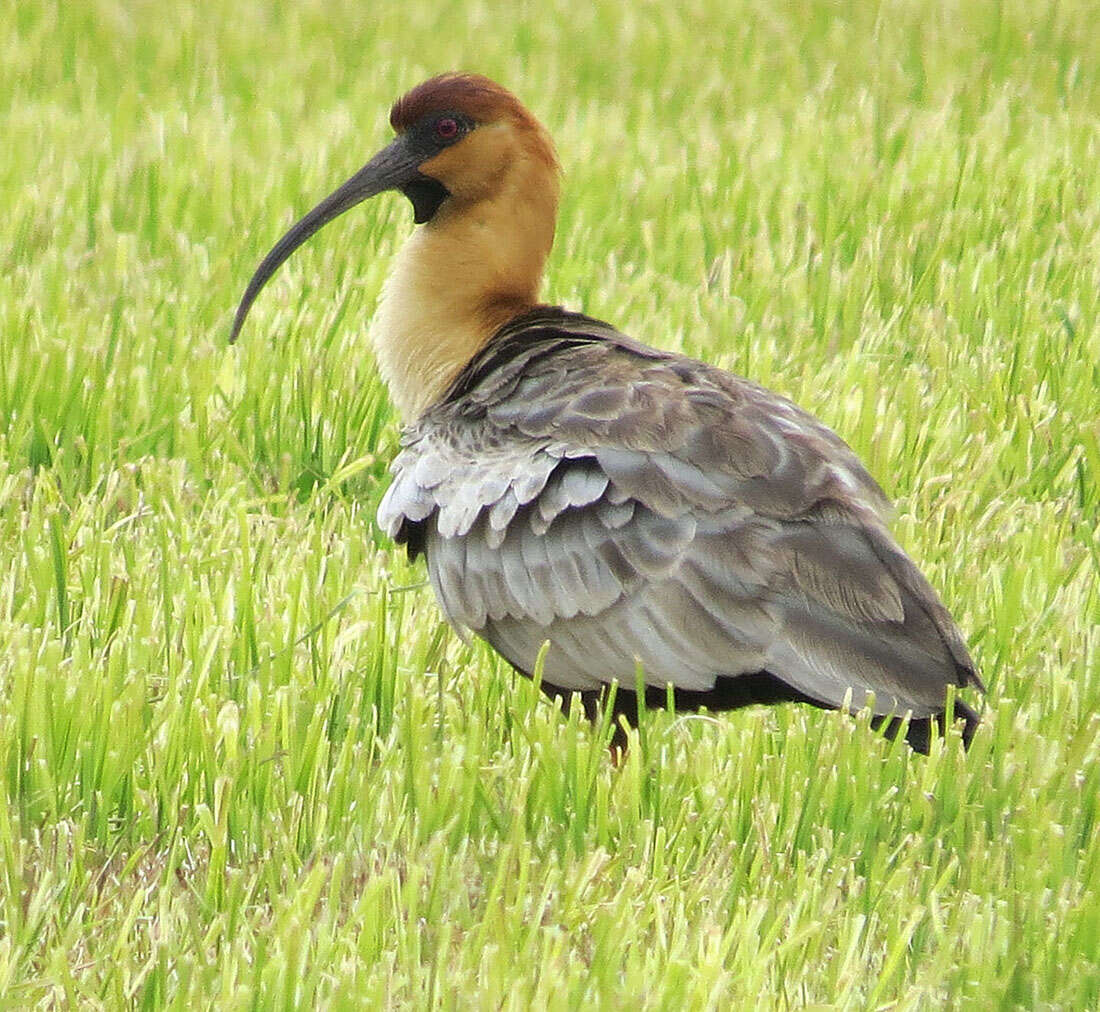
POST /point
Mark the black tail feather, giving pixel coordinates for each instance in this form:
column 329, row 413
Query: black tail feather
column 760, row 687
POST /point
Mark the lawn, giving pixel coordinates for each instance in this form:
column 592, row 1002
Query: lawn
column 243, row 761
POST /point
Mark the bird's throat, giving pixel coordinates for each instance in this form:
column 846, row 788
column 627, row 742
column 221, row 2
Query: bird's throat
column 455, row 282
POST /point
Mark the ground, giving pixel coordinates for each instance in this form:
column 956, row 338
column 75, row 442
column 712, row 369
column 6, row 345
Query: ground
column 243, row 762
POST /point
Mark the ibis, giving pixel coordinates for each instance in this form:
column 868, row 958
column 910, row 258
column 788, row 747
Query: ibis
column 634, row 510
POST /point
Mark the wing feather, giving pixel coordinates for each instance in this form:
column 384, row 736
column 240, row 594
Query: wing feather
column 629, row 506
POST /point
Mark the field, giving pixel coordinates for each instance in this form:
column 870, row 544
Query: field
column 244, row 763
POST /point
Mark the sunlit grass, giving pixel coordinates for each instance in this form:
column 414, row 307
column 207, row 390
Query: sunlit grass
column 243, row 761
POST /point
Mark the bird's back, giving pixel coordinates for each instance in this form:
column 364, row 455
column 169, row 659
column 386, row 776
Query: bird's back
column 631, row 505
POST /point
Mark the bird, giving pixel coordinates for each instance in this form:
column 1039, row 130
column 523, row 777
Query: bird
column 658, row 523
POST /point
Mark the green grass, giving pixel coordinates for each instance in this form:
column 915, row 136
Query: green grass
column 244, row 764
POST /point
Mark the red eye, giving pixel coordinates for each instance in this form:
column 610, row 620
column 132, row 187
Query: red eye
column 446, row 128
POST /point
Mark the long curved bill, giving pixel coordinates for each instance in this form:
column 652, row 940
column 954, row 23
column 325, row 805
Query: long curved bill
column 390, row 169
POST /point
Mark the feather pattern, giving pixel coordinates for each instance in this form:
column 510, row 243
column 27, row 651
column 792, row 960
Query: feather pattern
column 633, row 506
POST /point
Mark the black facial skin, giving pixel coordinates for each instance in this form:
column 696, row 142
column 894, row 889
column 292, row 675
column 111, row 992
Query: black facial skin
column 426, row 194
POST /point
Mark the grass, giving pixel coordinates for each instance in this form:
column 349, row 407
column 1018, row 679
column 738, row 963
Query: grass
column 243, row 762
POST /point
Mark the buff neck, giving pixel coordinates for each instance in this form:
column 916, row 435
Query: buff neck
column 457, row 280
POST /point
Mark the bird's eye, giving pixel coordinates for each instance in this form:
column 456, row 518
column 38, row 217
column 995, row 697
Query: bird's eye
column 446, row 128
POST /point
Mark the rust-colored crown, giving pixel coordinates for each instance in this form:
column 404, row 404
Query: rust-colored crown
column 476, row 96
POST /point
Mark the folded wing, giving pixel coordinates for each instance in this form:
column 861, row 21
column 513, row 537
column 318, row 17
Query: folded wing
column 633, row 507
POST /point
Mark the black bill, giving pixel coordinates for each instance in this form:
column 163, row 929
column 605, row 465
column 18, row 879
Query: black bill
column 393, row 168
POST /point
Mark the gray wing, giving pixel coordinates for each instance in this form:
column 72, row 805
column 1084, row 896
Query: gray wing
column 642, row 508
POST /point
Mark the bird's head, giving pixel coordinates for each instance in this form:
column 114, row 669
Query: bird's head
column 461, row 140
